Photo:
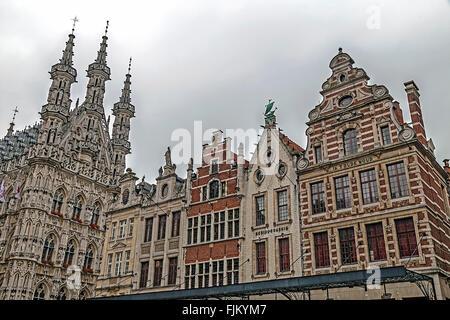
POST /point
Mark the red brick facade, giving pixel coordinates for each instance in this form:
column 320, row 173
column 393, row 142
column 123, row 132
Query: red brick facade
column 390, row 175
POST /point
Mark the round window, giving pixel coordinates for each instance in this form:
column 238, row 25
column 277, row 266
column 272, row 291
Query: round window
column 345, row 101
column 165, row 190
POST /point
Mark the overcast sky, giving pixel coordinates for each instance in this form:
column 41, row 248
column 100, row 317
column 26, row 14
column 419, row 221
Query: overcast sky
column 219, row 61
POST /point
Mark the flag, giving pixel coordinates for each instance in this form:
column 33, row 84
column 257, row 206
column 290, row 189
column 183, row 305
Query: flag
column 2, row 191
column 17, row 191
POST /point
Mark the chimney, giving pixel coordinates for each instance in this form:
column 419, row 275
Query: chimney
column 415, row 110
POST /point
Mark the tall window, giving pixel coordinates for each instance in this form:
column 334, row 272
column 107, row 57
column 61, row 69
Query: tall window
column 222, row 225
column 321, row 249
column 317, row 195
column 282, row 202
column 49, row 246
column 347, row 243
column 375, row 240
column 233, row 271
column 122, row 225
column 223, row 189
column 260, row 210
column 113, row 230
column 350, row 142
column 397, row 180
column 158, row 273
column 88, row 258
column 173, row 264
column 406, row 235
column 214, row 189
column 176, row 224
column 369, row 186
column 148, row 229
column 109, row 267
column 214, row 166
column 260, row 257
column 127, row 261
column 342, row 190
column 57, row 201
column 130, row 227
column 283, row 245
column 204, row 193
column 118, row 265
column 203, row 228
column 216, row 225
column 68, row 255
column 77, row 207
column 162, row 227
column 233, row 223
column 318, row 153
column 144, row 275
column 95, row 214
column 385, row 135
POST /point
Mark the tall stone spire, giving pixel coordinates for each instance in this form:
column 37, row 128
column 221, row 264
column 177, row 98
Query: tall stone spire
column 98, row 73
column 123, row 111
column 56, row 111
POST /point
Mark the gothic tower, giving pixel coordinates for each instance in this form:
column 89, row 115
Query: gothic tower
column 123, row 111
column 55, row 113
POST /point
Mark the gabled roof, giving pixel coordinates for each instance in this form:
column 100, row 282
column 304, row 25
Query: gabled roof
column 291, row 144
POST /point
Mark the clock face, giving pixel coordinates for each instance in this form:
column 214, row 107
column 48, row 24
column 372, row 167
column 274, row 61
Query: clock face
column 345, row 101
column 165, row 190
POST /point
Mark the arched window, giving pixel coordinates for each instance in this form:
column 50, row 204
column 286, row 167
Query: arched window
column 57, row 201
column 62, row 295
column 39, row 293
column 77, row 207
column 49, row 245
column 214, row 189
column 68, row 255
column 95, row 214
column 350, row 142
column 89, row 257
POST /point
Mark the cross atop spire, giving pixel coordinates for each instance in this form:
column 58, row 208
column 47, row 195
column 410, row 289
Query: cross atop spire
column 75, row 20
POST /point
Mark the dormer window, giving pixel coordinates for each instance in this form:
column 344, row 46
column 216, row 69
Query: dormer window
column 385, row 135
column 318, row 153
column 165, row 190
column 342, row 78
column 350, row 142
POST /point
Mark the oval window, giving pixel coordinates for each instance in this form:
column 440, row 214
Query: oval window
column 281, row 170
column 345, row 101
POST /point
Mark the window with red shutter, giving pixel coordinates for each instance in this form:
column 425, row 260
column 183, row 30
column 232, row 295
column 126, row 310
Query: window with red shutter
column 284, row 254
column 321, row 249
column 260, row 257
column 406, row 236
column 375, row 241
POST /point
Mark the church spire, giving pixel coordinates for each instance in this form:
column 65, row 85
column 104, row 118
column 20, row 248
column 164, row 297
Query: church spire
column 101, row 55
column 123, row 111
column 63, row 75
column 11, row 125
column 68, row 51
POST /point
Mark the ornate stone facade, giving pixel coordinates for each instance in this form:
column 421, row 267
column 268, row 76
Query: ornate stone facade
column 58, row 182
